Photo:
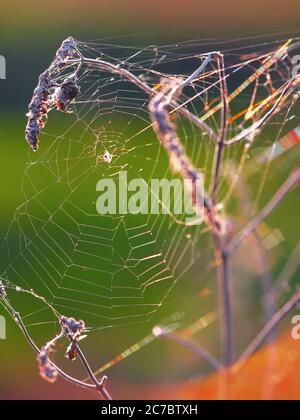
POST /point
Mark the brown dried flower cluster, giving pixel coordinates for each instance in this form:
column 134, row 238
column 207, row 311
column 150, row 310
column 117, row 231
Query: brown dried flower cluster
column 43, row 97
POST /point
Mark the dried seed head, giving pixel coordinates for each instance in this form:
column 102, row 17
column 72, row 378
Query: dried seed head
column 74, row 329
column 67, row 49
column 66, row 93
column 32, row 133
column 38, row 110
column 47, row 371
column 166, row 132
column 72, row 326
column 43, row 93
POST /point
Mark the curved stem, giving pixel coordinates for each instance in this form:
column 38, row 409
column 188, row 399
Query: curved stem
column 99, row 387
column 103, row 65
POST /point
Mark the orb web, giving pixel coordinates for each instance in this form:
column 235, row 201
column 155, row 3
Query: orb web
column 113, row 270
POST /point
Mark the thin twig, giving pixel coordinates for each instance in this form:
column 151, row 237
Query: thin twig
column 291, row 182
column 99, row 387
column 269, row 328
column 225, row 301
column 223, row 131
column 282, row 282
column 191, row 345
column 103, row 65
column 23, row 328
column 200, row 69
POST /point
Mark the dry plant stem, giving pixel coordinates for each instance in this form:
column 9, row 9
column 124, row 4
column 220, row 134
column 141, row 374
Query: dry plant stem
column 21, row 324
column 225, row 301
column 223, row 131
column 291, row 182
column 166, row 133
column 100, row 388
column 282, row 283
column 200, row 69
column 227, row 251
column 269, row 328
column 103, row 65
column 223, row 268
column 195, row 348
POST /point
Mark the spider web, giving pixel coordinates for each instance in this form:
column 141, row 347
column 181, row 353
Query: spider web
column 116, row 270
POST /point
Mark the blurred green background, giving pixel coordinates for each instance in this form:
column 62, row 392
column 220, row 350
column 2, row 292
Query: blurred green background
column 30, row 33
